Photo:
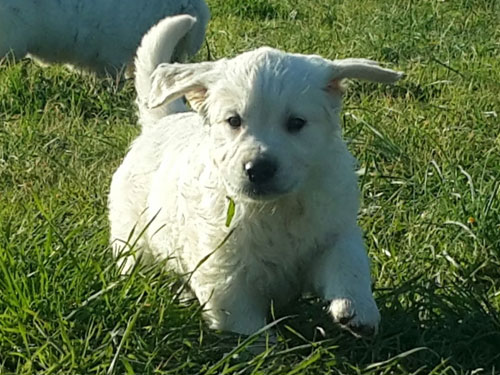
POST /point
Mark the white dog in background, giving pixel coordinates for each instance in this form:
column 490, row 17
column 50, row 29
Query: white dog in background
column 263, row 133
column 98, row 36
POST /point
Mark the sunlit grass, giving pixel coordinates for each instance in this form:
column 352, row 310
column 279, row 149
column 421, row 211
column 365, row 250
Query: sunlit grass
column 429, row 151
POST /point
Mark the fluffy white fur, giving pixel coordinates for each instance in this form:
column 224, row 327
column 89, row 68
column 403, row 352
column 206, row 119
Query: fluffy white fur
column 98, row 36
column 294, row 228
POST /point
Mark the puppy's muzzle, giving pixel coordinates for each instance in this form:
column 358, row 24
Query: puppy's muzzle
column 261, row 174
column 260, row 171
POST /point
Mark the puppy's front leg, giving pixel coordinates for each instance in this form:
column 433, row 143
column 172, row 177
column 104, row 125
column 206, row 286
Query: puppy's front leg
column 236, row 306
column 341, row 274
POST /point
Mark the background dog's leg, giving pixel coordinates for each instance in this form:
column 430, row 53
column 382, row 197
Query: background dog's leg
column 15, row 49
column 13, row 35
column 342, row 275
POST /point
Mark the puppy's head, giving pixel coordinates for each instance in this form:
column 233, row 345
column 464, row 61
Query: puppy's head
column 272, row 115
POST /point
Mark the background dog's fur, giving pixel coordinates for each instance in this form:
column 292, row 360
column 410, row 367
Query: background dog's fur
column 98, row 36
column 300, row 235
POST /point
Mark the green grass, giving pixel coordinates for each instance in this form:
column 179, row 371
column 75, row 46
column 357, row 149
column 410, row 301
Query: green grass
column 430, row 149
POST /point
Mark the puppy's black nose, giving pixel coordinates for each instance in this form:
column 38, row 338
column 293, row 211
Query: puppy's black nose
column 260, row 171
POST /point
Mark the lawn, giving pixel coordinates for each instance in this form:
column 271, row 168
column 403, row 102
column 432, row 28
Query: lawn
column 429, row 157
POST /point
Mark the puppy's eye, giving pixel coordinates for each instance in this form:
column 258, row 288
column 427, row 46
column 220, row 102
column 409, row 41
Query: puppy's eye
column 234, row 121
column 295, row 124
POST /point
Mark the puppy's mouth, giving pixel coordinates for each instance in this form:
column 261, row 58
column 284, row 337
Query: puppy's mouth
column 265, row 192
column 260, row 192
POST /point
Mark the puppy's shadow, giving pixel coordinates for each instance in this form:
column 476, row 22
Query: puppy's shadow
column 423, row 326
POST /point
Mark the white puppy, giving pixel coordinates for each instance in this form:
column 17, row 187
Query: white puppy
column 99, row 36
column 264, row 133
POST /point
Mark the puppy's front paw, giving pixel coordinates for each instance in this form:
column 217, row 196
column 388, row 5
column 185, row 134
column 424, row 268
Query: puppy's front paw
column 360, row 317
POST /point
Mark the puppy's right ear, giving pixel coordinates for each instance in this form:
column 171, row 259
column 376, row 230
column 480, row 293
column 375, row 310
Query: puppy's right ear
column 172, row 81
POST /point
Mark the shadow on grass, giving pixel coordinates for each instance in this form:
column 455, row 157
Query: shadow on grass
column 405, row 89
column 424, row 328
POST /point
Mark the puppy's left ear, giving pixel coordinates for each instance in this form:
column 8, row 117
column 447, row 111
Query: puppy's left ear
column 359, row 69
column 172, row 81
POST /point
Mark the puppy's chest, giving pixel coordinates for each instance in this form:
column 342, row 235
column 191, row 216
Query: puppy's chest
column 273, row 253
column 278, row 240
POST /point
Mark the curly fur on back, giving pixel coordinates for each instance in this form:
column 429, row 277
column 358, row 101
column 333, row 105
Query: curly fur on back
column 98, row 36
